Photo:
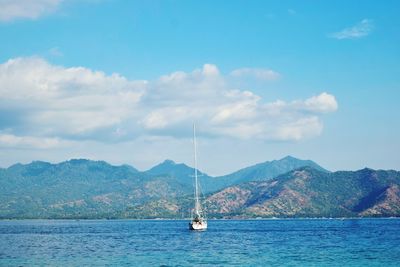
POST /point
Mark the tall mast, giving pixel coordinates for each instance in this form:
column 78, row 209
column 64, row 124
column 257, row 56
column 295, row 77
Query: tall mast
column 196, row 190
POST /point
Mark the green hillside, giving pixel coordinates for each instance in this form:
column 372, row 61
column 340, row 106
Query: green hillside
column 95, row 189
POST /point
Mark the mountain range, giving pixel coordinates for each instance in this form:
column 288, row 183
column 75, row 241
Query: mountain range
column 288, row 187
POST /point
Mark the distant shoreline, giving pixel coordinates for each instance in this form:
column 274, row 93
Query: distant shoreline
column 220, row 219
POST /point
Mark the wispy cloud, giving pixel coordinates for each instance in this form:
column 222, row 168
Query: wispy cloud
column 10, row 140
column 257, row 73
column 55, row 52
column 361, row 29
column 29, row 9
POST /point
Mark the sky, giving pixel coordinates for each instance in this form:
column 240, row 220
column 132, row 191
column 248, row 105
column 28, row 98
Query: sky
column 123, row 81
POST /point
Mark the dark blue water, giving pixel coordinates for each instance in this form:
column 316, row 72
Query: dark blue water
column 352, row 242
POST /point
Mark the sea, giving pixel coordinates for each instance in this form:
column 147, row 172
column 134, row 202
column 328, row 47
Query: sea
column 274, row 242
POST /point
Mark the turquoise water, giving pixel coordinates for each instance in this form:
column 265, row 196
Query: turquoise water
column 351, row 242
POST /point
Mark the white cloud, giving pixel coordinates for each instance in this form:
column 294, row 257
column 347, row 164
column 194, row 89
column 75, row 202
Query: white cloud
column 60, row 104
column 30, row 9
column 321, row 103
column 260, row 74
column 66, row 101
column 300, row 128
column 10, row 140
column 361, row 29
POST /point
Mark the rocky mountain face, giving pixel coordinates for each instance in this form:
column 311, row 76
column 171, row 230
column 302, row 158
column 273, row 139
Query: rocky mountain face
column 307, row 192
column 283, row 188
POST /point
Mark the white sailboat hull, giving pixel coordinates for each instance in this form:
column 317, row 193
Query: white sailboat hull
column 198, row 225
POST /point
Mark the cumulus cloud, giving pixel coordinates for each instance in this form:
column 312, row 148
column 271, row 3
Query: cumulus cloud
column 54, row 100
column 322, row 103
column 58, row 103
column 30, row 9
column 261, row 74
column 361, row 29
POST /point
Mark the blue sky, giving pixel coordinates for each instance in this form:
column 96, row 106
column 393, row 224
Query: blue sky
column 122, row 81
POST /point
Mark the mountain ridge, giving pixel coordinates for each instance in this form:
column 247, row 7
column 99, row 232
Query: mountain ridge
column 270, row 169
column 81, row 188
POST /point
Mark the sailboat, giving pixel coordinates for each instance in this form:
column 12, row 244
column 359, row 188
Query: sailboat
column 198, row 221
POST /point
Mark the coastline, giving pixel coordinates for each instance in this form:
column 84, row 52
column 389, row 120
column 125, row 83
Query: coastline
column 209, row 219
